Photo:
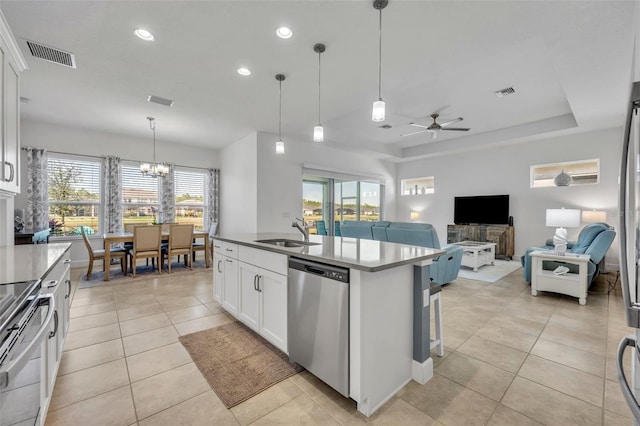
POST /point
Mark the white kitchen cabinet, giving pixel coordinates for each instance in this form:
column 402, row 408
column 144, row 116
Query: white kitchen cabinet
column 57, row 282
column 263, row 294
column 225, row 276
column 11, row 64
column 218, row 276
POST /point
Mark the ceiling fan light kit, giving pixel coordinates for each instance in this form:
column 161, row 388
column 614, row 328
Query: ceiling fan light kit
column 378, row 111
column 436, row 127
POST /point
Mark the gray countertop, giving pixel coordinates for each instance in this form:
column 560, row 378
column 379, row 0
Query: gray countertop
column 29, row 262
column 364, row 255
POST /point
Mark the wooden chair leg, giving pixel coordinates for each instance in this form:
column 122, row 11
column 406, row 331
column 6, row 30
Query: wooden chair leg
column 90, row 270
column 158, row 263
column 123, row 262
column 169, row 261
column 133, row 265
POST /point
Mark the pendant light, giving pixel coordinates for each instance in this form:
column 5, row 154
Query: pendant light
column 155, row 169
column 378, row 113
column 318, row 131
column 280, row 143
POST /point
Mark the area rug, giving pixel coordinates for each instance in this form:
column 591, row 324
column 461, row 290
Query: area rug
column 236, row 362
column 143, row 271
column 490, row 273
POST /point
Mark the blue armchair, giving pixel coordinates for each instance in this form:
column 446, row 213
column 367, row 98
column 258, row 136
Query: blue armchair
column 594, row 240
column 444, row 268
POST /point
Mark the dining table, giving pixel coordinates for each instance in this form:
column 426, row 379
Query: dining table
column 127, row 237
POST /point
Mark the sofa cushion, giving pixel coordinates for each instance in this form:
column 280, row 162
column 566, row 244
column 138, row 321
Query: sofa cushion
column 417, row 234
column 357, row 229
column 379, row 230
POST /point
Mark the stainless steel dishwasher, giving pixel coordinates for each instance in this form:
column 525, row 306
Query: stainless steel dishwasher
column 318, row 318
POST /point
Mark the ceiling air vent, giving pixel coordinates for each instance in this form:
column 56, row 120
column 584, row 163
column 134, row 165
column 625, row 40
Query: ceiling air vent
column 52, row 54
column 504, row 92
column 385, row 126
column 159, row 100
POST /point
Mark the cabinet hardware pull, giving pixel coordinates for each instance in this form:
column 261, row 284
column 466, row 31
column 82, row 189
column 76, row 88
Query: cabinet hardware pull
column 11, row 171
column 55, row 325
column 259, row 289
column 219, row 264
column 229, row 260
column 255, row 285
column 67, row 261
column 228, row 249
column 51, row 283
column 66, row 296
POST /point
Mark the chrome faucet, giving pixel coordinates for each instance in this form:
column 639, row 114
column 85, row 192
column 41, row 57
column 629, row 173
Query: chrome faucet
column 304, row 228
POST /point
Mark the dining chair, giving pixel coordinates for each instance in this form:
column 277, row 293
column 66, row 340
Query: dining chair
column 180, row 243
column 99, row 254
column 147, row 241
column 201, row 247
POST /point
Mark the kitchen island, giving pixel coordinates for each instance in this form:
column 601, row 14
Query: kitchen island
column 388, row 302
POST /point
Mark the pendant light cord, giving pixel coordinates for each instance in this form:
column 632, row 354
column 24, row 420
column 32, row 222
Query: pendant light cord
column 152, row 126
column 380, row 58
column 319, row 92
column 280, row 115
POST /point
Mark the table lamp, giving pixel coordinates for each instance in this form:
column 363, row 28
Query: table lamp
column 415, row 215
column 593, row 216
column 561, row 218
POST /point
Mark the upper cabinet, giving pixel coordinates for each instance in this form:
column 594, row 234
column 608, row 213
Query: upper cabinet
column 13, row 63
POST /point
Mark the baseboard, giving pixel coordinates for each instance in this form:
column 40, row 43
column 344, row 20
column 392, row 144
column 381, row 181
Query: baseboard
column 422, row 372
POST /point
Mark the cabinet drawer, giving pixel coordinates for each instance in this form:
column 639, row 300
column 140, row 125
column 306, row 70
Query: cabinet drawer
column 229, row 250
column 264, row 259
column 58, row 272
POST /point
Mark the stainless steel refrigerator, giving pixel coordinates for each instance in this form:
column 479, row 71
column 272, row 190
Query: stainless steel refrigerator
column 629, row 239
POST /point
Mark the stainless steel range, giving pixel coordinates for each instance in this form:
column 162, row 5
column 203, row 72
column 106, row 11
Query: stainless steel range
column 25, row 319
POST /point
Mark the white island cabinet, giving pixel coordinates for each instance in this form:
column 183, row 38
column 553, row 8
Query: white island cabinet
column 263, row 294
column 388, row 303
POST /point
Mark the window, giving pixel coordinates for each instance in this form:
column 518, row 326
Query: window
column 417, row 186
column 190, row 190
column 74, row 185
column 581, row 172
column 140, row 202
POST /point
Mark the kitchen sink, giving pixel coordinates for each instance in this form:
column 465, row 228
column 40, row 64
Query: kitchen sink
column 287, row 243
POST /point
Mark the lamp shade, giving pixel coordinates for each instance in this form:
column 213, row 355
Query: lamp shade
column 563, row 218
column 415, row 215
column 592, row 216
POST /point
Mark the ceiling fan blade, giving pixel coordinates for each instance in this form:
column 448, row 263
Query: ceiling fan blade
column 414, row 133
column 459, row 129
column 455, row 120
column 418, row 125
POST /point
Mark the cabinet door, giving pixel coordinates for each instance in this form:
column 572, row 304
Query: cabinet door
column 249, row 306
column 218, row 276
column 12, row 128
column 230, row 286
column 273, row 321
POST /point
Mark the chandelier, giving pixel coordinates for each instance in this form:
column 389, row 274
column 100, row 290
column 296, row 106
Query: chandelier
column 154, row 169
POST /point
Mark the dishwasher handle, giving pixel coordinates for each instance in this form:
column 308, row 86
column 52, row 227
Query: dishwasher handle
column 314, row 270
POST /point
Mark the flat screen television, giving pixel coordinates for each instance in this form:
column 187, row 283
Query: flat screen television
column 483, row 209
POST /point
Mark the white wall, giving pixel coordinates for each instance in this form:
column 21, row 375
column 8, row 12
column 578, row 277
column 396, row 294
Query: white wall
column 238, row 187
column 279, row 180
column 505, row 170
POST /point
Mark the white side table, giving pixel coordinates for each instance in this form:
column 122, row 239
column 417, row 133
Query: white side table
column 570, row 284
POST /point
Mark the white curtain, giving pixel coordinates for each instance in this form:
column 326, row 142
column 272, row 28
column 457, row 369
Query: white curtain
column 167, row 197
column 213, row 198
column 113, row 194
column 37, row 211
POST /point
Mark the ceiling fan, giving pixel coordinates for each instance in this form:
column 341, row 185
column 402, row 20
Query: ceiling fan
column 435, row 127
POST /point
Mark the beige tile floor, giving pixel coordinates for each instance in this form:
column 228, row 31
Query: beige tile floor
column 510, row 359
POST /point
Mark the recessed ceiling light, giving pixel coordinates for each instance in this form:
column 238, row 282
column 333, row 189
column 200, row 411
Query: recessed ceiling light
column 284, row 32
column 144, row 34
column 244, row 71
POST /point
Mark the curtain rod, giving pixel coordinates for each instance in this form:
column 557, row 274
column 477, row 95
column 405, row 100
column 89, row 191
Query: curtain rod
column 25, row 148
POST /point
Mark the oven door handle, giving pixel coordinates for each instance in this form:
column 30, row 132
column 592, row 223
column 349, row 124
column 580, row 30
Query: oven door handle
column 8, row 373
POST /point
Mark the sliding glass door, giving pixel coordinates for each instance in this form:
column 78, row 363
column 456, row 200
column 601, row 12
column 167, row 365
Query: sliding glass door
column 328, row 202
